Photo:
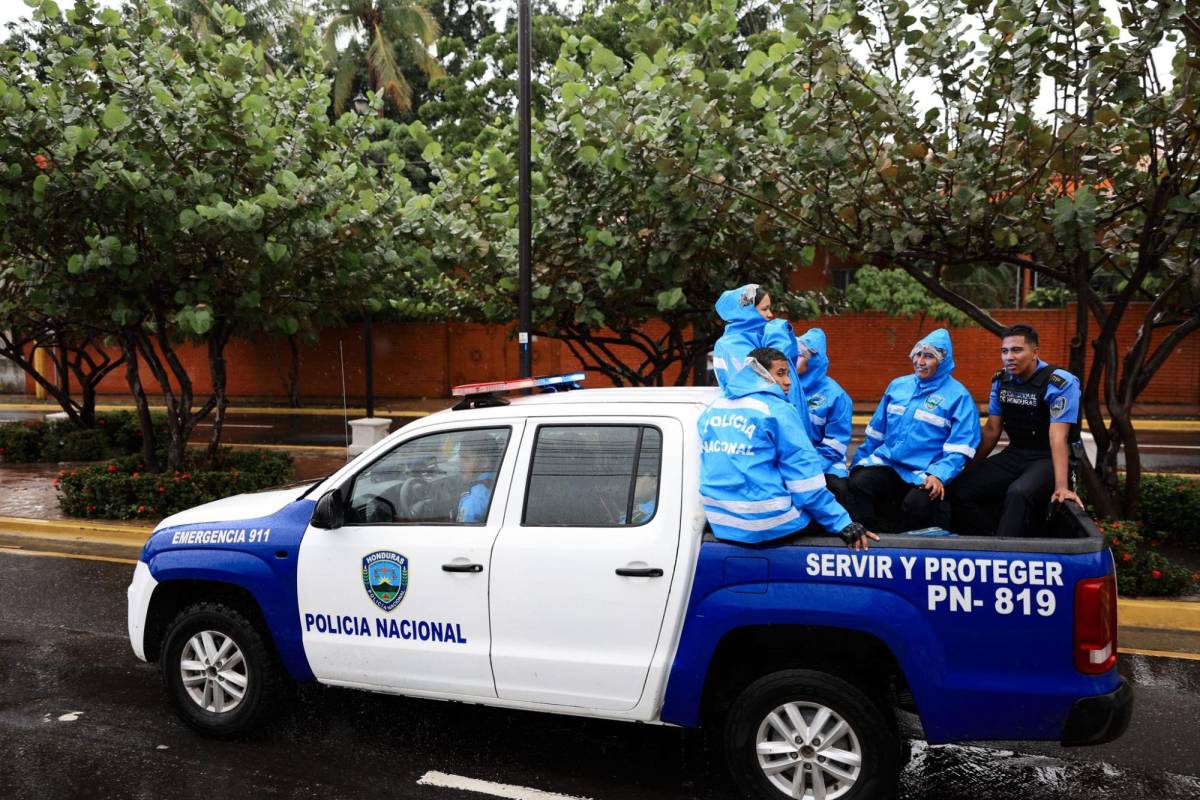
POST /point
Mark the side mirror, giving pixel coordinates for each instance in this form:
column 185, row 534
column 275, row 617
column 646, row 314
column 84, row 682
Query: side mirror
column 330, row 513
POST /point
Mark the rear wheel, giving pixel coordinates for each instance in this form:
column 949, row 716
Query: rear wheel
column 806, row 734
column 219, row 671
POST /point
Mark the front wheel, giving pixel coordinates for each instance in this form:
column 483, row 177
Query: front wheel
column 805, row 734
column 218, row 670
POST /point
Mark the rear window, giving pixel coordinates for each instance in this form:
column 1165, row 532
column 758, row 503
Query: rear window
column 594, row 476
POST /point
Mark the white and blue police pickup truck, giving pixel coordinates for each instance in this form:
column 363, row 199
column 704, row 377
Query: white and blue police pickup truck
column 551, row 553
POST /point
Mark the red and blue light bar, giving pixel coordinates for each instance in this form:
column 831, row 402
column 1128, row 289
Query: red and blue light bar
column 547, row 383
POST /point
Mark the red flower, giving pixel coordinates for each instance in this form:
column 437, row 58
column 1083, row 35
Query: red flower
column 62, row 473
column 187, row 475
column 1157, row 574
column 161, row 488
column 101, row 421
column 1116, row 542
column 141, row 509
column 137, row 474
column 42, row 162
column 1127, row 557
column 112, row 467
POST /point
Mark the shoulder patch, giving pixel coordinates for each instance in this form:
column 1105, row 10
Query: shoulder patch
column 1058, row 380
column 999, row 376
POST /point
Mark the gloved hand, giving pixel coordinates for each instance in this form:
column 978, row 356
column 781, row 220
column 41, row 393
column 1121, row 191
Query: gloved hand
column 857, row 537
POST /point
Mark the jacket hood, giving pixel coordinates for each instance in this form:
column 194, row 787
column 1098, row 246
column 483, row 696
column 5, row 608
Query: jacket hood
column 778, row 333
column 753, row 379
column 940, row 339
column 818, row 363
column 736, row 307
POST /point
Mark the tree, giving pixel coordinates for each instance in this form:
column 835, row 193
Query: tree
column 622, row 236
column 386, row 34
column 1048, row 141
column 185, row 193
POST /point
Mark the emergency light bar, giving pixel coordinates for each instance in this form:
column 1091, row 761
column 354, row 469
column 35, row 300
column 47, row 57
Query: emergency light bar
column 483, row 394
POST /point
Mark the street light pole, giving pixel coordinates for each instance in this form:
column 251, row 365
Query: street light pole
column 524, row 222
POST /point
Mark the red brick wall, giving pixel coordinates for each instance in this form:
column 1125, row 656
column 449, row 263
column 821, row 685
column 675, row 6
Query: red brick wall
column 424, row 360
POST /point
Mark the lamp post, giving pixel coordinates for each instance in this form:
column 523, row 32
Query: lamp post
column 361, row 106
column 524, row 226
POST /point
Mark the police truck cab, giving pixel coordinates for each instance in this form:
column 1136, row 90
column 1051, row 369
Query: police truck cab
column 550, row 552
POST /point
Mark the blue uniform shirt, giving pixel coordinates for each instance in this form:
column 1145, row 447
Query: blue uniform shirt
column 473, row 505
column 1063, row 402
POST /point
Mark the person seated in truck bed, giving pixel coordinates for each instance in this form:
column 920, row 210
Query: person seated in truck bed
column 760, row 478
column 1037, row 405
column 829, row 409
column 923, row 433
column 746, row 310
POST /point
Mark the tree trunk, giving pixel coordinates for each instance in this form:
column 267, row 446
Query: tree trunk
column 145, row 421
column 216, row 368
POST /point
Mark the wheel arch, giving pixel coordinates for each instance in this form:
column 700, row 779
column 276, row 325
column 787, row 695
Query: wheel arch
column 171, row 597
column 748, row 653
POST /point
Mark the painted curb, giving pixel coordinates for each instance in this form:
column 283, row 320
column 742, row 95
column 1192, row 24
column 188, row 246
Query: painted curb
column 77, row 531
column 1173, row 615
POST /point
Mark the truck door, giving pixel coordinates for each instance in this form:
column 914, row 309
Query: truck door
column 397, row 597
column 582, row 568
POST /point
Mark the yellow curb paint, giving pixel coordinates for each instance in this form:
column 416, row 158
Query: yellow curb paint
column 78, row 557
column 1136, row 651
column 76, row 531
column 275, row 410
column 1172, row 615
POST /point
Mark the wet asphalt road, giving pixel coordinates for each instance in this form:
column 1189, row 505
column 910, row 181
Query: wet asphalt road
column 80, row 717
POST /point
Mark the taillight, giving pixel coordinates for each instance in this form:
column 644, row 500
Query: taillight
column 1096, row 625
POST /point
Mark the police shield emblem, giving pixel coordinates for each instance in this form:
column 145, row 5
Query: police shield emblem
column 1059, row 406
column 385, row 577
column 816, row 401
column 933, row 401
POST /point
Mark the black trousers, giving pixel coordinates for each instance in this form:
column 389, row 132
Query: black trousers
column 1006, row 495
column 841, row 490
column 882, row 501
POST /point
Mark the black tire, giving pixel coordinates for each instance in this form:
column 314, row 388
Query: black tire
column 873, row 734
column 258, row 668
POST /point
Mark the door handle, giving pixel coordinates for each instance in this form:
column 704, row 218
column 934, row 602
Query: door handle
column 639, row 572
column 462, row 567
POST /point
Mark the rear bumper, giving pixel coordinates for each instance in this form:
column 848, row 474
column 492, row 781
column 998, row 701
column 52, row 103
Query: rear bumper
column 1100, row 719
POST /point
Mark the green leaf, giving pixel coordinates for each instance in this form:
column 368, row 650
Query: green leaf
column 757, row 62
column 115, row 117
column 39, row 186
column 50, row 8
column 432, row 152
column 588, row 154
column 670, row 300
column 275, row 251
column 760, row 97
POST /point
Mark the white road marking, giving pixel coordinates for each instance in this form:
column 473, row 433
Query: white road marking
column 488, row 787
column 70, row 716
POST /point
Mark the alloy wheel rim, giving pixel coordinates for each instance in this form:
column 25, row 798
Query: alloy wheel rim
column 214, row 672
column 808, row 751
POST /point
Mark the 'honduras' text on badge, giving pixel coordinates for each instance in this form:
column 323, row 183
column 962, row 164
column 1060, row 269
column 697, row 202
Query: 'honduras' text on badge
column 385, row 577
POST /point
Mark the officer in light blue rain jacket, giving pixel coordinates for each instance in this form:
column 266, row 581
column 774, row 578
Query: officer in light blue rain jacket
column 924, row 432
column 829, row 410
column 778, row 334
column 745, row 311
column 760, row 478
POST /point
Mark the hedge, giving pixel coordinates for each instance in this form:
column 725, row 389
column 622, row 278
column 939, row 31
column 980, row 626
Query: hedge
column 116, row 434
column 122, row 489
column 1171, row 508
column 1141, row 570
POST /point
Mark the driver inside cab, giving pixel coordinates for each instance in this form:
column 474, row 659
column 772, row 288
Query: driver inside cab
column 476, row 456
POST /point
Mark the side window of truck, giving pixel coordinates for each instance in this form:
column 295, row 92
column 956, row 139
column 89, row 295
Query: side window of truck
column 594, row 476
column 440, row 479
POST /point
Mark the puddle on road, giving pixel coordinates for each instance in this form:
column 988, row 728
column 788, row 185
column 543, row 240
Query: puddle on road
column 953, row 772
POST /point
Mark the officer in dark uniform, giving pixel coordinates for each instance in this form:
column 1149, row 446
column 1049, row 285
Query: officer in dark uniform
column 1037, row 405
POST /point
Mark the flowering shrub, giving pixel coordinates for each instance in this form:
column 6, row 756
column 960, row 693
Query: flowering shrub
column 1170, row 505
column 116, row 434
column 1141, row 570
column 19, row 442
column 122, row 489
